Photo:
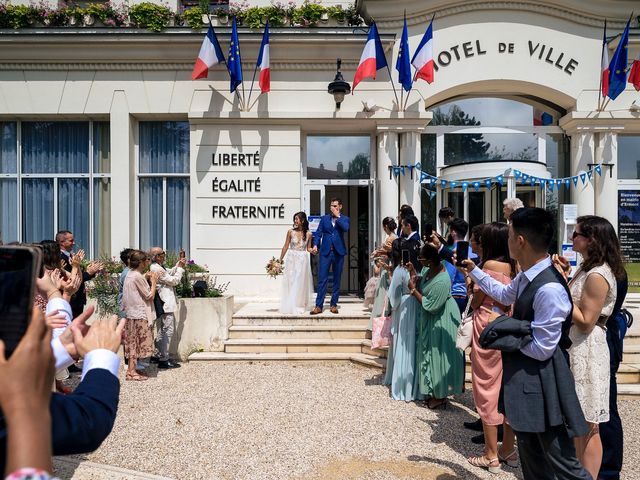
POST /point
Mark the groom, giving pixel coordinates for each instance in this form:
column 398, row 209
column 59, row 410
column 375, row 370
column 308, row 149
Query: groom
column 329, row 236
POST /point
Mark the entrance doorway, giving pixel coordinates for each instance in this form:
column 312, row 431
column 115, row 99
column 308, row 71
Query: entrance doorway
column 485, row 206
column 356, row 196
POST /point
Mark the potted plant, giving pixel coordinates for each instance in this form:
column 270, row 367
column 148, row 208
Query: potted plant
column 151, row 16
column 336, row 13
column 309, row 13
column 352, row 16
column 194, row 17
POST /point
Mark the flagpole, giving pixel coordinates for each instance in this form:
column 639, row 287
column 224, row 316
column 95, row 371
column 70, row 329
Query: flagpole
column 604, row 40
column 252, row 82
column 225, row 62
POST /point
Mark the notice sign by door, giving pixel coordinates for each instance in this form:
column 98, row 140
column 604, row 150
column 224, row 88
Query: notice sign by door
column 629, row 234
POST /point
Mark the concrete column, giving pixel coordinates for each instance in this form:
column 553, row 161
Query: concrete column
column 123, row 175
column 606, row 185
column 582, row 154
column 387, row 187
column 410, row 187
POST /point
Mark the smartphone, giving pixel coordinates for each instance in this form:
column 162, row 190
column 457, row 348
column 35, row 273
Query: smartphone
column 405, row 257
column 19, row 267
column 462, row 252
column 427, row 230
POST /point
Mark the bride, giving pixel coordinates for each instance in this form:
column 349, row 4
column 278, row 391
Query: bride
column 297, row 284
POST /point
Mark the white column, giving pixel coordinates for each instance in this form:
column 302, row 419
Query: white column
column 582, row 154
column 606, row 185
column 387, row 187
column 122, row 175
column 410, row 187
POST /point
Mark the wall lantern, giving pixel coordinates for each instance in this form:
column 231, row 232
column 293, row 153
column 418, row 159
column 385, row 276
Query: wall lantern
column 339, row 88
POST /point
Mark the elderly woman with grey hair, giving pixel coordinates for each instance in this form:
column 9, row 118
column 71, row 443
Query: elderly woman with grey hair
column 509, row 206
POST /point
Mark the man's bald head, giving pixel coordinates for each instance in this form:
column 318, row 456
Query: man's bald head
column 157, row 255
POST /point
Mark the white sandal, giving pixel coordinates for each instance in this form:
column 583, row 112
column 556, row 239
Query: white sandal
column 510, row 460
column 491, row 464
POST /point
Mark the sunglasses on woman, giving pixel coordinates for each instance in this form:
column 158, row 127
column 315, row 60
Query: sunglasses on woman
column 578, row 234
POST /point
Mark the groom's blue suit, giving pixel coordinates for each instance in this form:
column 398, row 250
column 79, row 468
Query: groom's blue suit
column 329, row 239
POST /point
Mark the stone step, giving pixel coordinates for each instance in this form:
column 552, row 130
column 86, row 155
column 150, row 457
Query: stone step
column 631, row 353
column 629, row 391
column 300, row 321
column 628, row 373
column 631, row 338
column 376, row 352
column 292, row 346
column 360, row 358
column 298, row 331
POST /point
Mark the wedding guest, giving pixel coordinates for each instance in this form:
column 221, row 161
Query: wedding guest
column 509, row 206
column 445, row 216
column 66, row 241
column 124, row 258
column 611, row 432
column 593, row 289
column 383, row 254
column 409, row 241
column 458, row 229
column 475, row 239
column 439, row 364
column 538, row 396
column 402, row 353
column 486, row 365
column 137, row 303
column 405, row 211
column 167, row 281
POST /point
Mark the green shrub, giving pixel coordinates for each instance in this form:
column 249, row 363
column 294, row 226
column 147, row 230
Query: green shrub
column 193, row 17
column 309, row 13
column 150, row 16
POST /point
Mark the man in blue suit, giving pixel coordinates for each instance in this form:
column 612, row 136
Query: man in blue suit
column 330, row 238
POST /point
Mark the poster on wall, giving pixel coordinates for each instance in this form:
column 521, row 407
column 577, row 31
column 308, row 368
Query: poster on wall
column 629, row 233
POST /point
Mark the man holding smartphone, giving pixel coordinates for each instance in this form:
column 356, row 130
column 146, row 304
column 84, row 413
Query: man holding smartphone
column 166, row 292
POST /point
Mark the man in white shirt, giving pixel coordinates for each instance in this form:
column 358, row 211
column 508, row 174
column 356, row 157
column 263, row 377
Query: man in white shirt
column 166, row 291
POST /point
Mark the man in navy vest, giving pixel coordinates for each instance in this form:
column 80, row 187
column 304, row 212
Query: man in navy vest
column 538, row 395
column 330, row 238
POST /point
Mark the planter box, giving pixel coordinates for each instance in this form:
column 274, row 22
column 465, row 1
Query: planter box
column 201, row 323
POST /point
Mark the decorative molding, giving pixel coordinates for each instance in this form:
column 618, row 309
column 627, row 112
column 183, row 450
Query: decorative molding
column 424, row 16
column 160, row 66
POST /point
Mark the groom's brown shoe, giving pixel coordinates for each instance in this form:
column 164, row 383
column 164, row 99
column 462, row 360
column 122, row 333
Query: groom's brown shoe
column 316, row 311
column 333, row 309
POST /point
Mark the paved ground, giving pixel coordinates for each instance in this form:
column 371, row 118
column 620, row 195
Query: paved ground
column 289, row 421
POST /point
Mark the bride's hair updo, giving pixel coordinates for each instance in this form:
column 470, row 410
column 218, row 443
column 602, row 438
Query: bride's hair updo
column 304, row 223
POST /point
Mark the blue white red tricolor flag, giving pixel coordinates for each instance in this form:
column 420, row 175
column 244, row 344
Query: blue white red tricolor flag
column 541, row 118
column 604, row 64
column 634, row 74
column 372, row 58
column 210, row 55
column 263, row 62
column 423, row 58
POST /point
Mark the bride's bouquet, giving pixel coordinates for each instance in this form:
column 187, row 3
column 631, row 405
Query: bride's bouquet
column 275, row 267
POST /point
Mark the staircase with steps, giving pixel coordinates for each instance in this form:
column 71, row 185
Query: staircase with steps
column 260, row 333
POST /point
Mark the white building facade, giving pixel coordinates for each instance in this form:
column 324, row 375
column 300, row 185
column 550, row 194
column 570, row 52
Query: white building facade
column 105, row 133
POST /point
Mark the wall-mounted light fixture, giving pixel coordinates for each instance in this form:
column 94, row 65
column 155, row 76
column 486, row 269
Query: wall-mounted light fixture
column 339, row 88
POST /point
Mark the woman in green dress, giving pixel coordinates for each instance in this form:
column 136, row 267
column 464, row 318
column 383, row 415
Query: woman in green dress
column 439, row 364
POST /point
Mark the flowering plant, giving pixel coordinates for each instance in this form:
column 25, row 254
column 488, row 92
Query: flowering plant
column 104, row 288
column 275, row 267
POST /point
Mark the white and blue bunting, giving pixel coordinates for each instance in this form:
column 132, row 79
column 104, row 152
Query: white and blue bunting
column 431, row 181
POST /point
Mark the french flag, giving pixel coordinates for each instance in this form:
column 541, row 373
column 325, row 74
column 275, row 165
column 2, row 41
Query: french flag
column 372, row 58
column 634, row 75
column 263, row 62
column 604, row 64
column 423, row 58
column 541, row 118
column 210, row 55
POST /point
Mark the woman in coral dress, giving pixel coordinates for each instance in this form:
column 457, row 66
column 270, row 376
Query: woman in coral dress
column 486, row 365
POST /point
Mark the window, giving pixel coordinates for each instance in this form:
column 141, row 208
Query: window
column 163, row 180
column 629, row 157
column 338, row 157
column 60, row 181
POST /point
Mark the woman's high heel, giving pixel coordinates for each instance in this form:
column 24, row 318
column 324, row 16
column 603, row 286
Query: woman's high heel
column 436, row 403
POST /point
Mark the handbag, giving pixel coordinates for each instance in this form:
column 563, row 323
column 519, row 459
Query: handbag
column 465, row 329
column 381, row 329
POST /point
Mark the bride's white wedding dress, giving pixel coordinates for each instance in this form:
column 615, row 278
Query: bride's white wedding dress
column 297, row 283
